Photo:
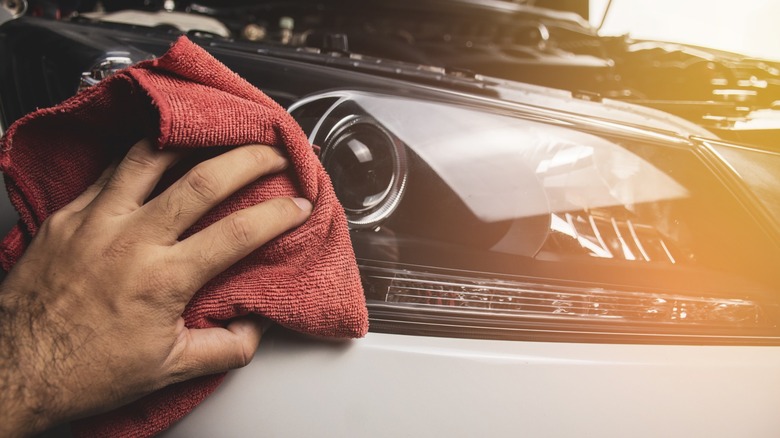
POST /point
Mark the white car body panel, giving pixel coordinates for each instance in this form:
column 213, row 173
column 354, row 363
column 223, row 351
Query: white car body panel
column 406, row 386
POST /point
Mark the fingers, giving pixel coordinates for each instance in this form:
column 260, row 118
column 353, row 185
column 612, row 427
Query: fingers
column 92, row 191
column 208, row 184
column 215, row 350
column 134, row 178
column 230, row 239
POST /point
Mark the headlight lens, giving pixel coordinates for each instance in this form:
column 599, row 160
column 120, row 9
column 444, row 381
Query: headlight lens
column 518, row 227
column 368, row 168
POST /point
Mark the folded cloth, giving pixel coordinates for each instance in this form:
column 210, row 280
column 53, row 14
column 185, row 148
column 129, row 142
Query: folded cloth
column 306, row 279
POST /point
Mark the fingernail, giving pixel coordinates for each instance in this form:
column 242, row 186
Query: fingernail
column 303, row 204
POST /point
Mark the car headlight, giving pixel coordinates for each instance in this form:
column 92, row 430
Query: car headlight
column 475, row 222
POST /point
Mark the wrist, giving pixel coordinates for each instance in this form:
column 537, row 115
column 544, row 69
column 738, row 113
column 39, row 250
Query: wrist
column 26, row 400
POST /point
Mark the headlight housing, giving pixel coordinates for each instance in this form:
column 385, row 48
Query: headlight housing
column 510, row 226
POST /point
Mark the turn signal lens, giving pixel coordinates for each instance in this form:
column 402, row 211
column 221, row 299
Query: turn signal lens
column 478, row 303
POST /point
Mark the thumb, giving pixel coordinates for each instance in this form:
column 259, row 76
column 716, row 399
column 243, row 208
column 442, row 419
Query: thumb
column 216, row 350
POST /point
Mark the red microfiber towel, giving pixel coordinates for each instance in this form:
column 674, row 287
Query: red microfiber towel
column 306, row 279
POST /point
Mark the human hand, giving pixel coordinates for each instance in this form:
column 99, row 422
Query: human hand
column 90, row 316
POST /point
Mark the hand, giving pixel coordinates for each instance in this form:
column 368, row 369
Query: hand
column 90, row 317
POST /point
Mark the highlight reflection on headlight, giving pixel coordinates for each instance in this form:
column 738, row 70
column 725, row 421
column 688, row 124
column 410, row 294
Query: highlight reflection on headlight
column 606, row 237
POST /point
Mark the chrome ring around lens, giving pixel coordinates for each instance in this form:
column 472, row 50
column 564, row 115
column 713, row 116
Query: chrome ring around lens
column 368, row 168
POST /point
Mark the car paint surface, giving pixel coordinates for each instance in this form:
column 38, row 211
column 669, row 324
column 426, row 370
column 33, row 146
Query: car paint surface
column 408, row 386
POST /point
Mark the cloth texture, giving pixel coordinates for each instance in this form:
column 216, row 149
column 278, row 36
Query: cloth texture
column 306, row 280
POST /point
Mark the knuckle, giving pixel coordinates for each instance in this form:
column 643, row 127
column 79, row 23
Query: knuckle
column 241, row 352
column 232, row 354
column 238, row 230
column 265, row 157
column 60, row 223
column 56, row 220
column 244, row 356
column 140, row 158
column 201, row 184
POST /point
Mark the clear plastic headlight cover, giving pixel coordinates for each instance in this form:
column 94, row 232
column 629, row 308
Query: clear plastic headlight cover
column 759, row 169
column 472, row 223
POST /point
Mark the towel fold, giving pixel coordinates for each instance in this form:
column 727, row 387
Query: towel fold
column 306, row 279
